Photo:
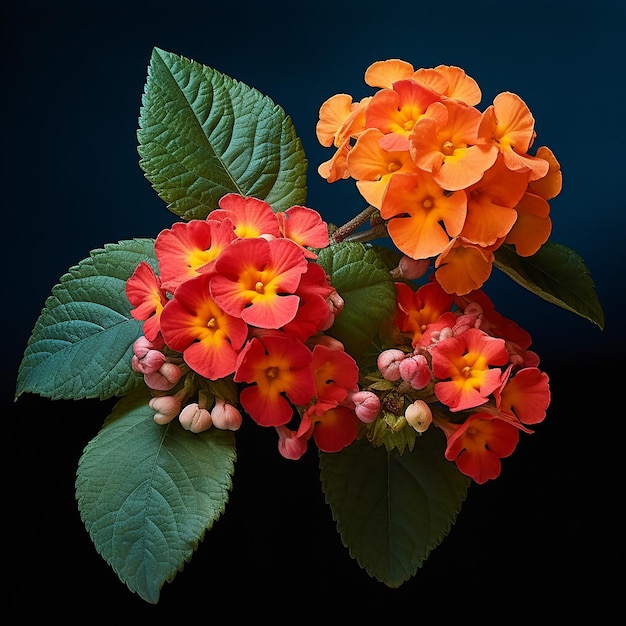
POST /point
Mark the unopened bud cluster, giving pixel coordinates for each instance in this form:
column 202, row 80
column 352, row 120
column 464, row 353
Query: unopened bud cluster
column 177, row 392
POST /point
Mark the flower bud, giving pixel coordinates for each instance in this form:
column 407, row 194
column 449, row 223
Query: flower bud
column 473, row 308
column 335, row 305
column 149, row 363
column 163, row 380
column 388, row 363
column 166, row 408
column 409, row 268
column 366, row 405
column 418, row 415
column 195, row 419
column 415, row 370
column 289, row 445
column 226, row 416
column 143, row 345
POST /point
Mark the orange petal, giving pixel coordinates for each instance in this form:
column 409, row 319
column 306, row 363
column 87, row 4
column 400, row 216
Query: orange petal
column 333, row 113
column 452, row 82
column 487, row 221
column 463, row 267
column 385, row 73
column 533, row 226
column 373, row 167
column 550, row 185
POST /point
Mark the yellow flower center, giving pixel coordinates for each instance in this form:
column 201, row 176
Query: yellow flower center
column 393, row 166
column 212, row 323
column 428, row 203
column 447, row 148
column 259, row 287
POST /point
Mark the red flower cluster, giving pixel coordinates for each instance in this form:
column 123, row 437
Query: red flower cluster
column 459, row 364
column 239, row 296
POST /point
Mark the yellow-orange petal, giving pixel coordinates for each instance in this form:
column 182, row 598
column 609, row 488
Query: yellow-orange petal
column 463, row 267
column 533, row 226
column 512, row 123
column 385, row 73
column 450, row 81
column 333, row 113
column 486, row 221
column 336, row 167
column 549, row 186
column 464, row 167
column 373, row 167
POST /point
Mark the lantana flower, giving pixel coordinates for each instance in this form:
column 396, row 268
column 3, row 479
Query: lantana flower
column 445, row 143
column 188, row 249
column 305, row 227
column 278, row 370
column 477, row 444
column 422, row 216
column 465, row 367
column 256, row 280
column 195, row 325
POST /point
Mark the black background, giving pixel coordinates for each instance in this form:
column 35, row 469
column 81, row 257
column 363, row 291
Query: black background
column 547, row 535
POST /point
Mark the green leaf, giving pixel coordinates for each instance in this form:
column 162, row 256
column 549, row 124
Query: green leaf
column 362, row 279
column 147, row 493
column 203, row 134
column 392, row 509
column 556, row 274
column 81, row 344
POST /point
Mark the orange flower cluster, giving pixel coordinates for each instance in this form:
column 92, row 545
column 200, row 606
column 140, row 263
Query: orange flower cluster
column 452, row 183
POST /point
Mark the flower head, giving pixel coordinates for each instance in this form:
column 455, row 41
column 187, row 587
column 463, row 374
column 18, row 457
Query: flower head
column 256, row 280
column 188, row 249
column 422, row 216
column 464, row 366
column 478, row 444
column 278, row 370
column 208, row 337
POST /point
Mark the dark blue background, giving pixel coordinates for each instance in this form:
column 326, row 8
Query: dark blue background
column 547, row 532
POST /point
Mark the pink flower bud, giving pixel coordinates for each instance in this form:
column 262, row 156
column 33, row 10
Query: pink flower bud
column 336, row 303
column 166, row 408
column 421, row 374
column 366, row 405
column 149, row 363
column 335, row 306
column 418, row 415
column 163, row 380
column 407, row 368
column 410, row 269
column 289, row 445
column 195, row 419
column 464, row 322
column 473, row 308
column 142, row 346
column 388, row 363
column 226, row 416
